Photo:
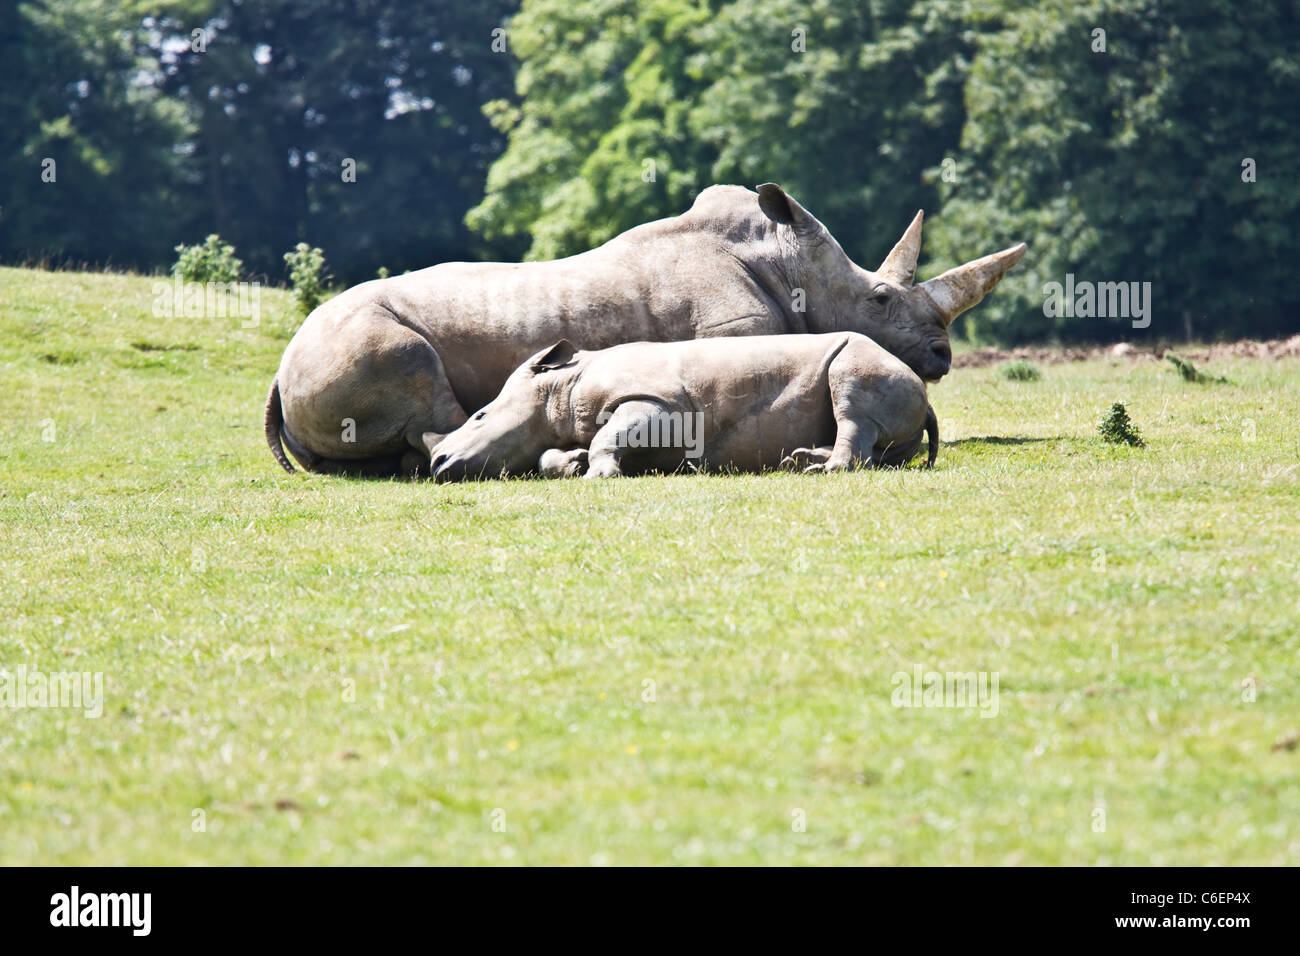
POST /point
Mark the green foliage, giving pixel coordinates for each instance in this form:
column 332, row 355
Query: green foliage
column 1002, row 120
column 1127, row 165
column 245, row 131
column 90, row 146
column 852, row 125
column 1191, row 373
column 404, row 135
column 597, row 141
column 1019, row 370
column 213, row 261
column 306, row 266
column 628, row 109
column 1118, row 429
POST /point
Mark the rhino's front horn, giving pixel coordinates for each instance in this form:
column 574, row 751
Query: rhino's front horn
column 962, row 288
column 900, row 265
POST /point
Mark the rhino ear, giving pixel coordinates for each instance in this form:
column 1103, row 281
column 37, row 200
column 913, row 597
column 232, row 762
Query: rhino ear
column 557, row 356
column 780, row 207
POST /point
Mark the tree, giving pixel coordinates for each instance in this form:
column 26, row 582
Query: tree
column 845, row 106
column 88, row 141
column 593, row 104
column 1118, row 156
column 357, row 126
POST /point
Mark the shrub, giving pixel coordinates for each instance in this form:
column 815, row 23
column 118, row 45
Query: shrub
column 214, row 261
column 1118, row 429
column 1019, row 370
column 1191, row 373
column 306, row 267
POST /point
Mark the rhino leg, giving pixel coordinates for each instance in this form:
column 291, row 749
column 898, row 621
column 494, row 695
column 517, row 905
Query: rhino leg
column 855, row 438
column 872, row 405
column 555, row 463
column 362, row 394
column 617, row 437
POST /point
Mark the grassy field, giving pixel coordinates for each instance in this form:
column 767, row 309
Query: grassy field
column 302, row 669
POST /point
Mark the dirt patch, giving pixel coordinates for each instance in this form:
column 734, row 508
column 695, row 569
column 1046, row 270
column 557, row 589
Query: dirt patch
column 1049, row 355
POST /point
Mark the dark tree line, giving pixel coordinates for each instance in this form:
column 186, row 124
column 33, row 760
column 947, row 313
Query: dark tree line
column 356, row 125
column 1124, row 140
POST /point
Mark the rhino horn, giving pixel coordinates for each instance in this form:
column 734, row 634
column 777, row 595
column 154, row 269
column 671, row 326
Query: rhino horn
column 900, row 265
column 962, row 288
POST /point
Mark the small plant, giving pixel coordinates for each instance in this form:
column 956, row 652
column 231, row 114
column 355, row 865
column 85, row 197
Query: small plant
column 1019, row 370
column 1191, row 373
column 382, row 272
column 1118, row 429
column 306, row 267
column 213, row 261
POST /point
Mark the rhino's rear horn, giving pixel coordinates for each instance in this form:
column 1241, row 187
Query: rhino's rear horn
column 900, row 265
column 962, row 288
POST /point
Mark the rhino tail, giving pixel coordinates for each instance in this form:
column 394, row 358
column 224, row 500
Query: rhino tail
column 274, row 425
column 931, row 434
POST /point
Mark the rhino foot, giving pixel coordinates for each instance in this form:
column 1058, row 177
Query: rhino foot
column 828, row 467
column 555, row 463
column 603, row 467
column 801, row 458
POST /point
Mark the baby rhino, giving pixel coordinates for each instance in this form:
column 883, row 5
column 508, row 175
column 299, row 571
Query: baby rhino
column 824, row 402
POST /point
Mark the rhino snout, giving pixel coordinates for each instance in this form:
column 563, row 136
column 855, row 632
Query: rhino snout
column 942, row 353
column 930, row 361
column 447, row 467
column 439, row 468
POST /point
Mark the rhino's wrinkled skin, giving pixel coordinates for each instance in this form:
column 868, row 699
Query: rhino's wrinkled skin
column 376, row 376
column 826, row 401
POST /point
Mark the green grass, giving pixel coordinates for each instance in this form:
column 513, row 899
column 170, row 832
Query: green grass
column 339, row 671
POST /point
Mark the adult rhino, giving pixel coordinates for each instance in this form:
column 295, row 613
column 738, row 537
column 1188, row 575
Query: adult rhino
column 377, row 376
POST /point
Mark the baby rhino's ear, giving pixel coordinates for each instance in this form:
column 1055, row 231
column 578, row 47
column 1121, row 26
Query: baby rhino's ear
column 557, row 356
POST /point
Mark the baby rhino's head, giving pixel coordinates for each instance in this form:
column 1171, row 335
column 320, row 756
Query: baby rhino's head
column 507, row 436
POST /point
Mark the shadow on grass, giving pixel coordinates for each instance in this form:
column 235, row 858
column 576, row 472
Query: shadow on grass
column 999, row 440
column 388, row 469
